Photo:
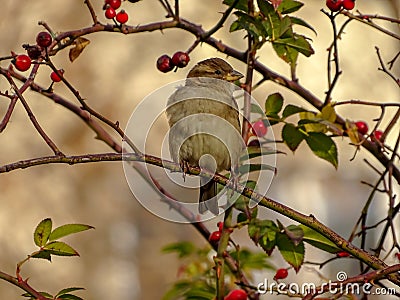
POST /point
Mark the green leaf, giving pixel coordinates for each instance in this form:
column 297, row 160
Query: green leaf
column 303, row 23
column 241, row 5
column 242, row 217
column 253, row 152
column 296, row 42
column 235, row 26
column 289, row 6
column 183, row 249
column 292, row 254
column 42, row 232
column 285, row 52
column 318, row 240
column 200, row 293
column 249, row 260
column 291, row 110
column 258, row 228
column 292, row 136
column 285, row 27
column 68, row 229
column 249, row 23
column 60, row 249
column 43, row 254
column 272, row 20
column 70, row 297
column 68, row 290
column 177, row 290
column 268, row 241
column 45, row 294
column 273, row 104
column 195, row 288
column 323, row 146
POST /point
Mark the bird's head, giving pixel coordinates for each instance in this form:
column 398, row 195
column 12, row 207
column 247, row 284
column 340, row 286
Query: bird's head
column 215, row 68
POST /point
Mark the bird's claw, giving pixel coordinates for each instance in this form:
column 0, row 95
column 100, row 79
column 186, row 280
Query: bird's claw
column 185, row 168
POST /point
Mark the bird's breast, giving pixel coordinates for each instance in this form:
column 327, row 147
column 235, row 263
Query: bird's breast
column 204, row 126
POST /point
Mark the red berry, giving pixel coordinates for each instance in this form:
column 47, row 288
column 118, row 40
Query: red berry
column 220, row 226
column 342, row 254
column 378, row 135
column 56, row 77
column 236, row 295
column 215, row 236
column 110, row 13
column 44, row 39
column 397, row 255
column 334, row 5
column 164, row 63
column 281, row 274
column 22, row 62
column 349, row 4
column 258, row 128
column 113, row 3
column 122, row 17
column 180, row 59
column 362, row 127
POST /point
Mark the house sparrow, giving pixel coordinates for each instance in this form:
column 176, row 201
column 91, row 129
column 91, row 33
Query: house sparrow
column 204, row 121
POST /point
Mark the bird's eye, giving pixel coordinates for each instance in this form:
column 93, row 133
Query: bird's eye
column 218, row 72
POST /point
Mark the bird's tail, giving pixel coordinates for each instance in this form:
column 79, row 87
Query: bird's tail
column 208, row 190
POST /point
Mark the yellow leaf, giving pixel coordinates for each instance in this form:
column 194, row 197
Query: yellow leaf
column 328, row 113
column 79, row 44
column 312, row 117
column 352, row 132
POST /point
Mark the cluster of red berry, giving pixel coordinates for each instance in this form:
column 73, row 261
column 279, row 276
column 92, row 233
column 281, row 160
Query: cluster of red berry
column 110, row 7
column 362, row 128
column 23, row 62
column 179, row 59
column 336, row 5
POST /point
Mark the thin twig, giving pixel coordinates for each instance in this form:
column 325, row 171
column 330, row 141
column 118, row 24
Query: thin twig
column 14, row 99
column 369, row 23
column 331, row 84
column 23, row 284
column 362, row 102
column 92, row 11
column 383, row 68
column 368, row 17
column 33, row 119
column 220, row 23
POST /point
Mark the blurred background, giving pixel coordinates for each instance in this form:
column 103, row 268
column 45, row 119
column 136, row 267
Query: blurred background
column 121, row 258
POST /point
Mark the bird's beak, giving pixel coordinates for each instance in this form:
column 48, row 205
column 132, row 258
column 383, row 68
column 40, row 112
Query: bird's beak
column 233, row 76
